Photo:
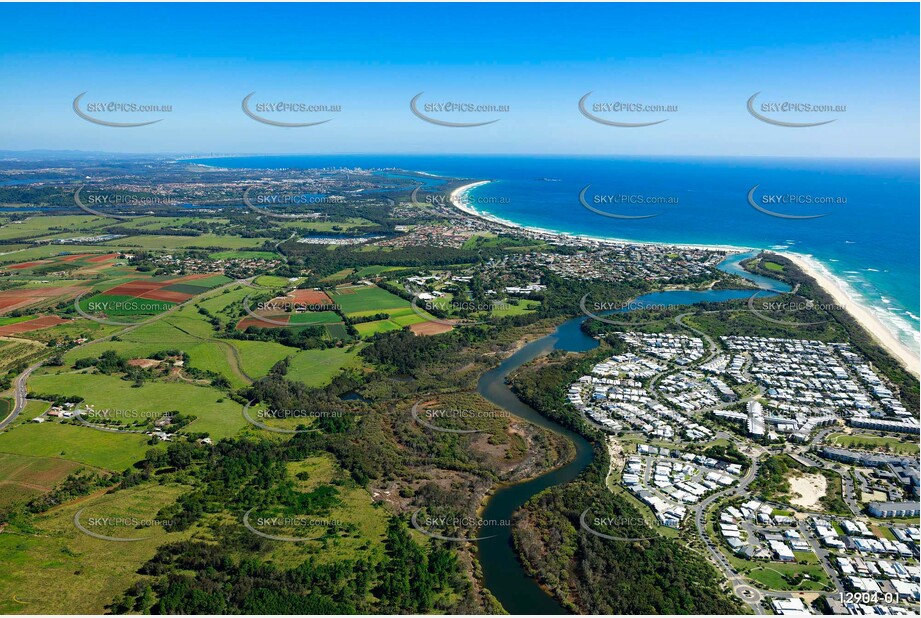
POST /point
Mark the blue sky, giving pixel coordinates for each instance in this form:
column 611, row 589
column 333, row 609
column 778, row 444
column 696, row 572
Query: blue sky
column 538, row 59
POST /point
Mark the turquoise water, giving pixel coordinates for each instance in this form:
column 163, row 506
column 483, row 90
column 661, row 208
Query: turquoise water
column 869, row 243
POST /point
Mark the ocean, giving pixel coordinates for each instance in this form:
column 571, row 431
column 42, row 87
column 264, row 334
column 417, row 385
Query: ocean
column 867, row 237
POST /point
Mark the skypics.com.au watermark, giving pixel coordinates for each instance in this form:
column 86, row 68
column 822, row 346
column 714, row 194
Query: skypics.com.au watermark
column 592, row 524
column 286, row 306
column 427, row 417
column 436, row 112
column 469, row 312
column 102, row 527
column 257, row 203
column 424, row 524
column 601, row 203
column 278, row 528
column 258, row 417
column 599, row 310
column 114, row 420
column 94, row 111
column 781, row 113
column 92, row 202
column 611, row 113
column 274, row 113
column 111, row 309
column 283, row 306
column 769, row 203
column 789, row 308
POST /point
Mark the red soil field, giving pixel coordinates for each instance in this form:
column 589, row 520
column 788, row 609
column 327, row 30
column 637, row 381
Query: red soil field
column 247, row 322
column 185, row 278
column 103, row 258
column 30, row 325
column 23, row 265
column 309, row 297
column 74, row 257
column 167, row 295
column 133, row 288
column 15, row 299
column 429, row 328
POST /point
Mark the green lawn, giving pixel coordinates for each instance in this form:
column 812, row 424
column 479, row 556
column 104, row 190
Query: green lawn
column 523, row 306
column 272, row 281
column 772, row 266
column 318, row 367
column 367, row 329
column 40, row 224
column 770, row 574
column 370, row 271
column 887, row 444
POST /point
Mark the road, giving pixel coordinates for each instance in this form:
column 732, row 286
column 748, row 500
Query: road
column 20, row 390
column 739, row 585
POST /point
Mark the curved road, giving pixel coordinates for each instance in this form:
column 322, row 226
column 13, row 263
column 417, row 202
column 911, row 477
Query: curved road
column 700, row 510
column 19, row 384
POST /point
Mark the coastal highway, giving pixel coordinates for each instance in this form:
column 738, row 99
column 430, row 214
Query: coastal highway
column 20, row 389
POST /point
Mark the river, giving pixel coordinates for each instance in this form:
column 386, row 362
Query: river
column 503, row 574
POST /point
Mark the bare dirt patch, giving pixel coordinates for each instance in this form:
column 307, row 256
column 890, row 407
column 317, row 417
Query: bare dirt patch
column 30, row 325
column 807, row 490
column 430, row 328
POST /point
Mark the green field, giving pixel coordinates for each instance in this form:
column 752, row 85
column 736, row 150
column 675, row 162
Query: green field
column 318, row 367
column 87, row 572
column 112, row 451
column 772, row 266
column 315, row 317
column 216, row 302
column 524, row 306
column 230, row 255
column 272, row 281
column 23, row 477
column 259, row 356
column 771, row 574
column 880, row 443
column 205, row 241
column 370, row 271
column 356, row 507
column 371, row 299
column 41, row 225
column 367, row 329
column 219, row 419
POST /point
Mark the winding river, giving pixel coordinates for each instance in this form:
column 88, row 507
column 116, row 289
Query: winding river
column 503, row 574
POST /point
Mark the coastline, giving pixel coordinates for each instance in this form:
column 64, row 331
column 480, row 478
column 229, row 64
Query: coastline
column 458, row 194
column 863, row 315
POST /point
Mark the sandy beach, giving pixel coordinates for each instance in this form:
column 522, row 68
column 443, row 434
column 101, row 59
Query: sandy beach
column 864, row 316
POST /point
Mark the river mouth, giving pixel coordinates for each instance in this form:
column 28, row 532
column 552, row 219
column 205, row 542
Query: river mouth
column 503, row 573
